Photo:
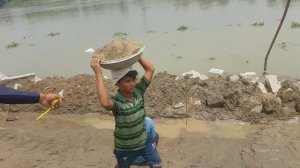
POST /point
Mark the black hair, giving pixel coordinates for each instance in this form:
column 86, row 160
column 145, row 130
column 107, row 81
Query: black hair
column 132, row 74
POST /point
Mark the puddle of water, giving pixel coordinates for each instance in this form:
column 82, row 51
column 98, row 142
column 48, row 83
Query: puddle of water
column 100, row 124
column 232, row 130
column 172, row 128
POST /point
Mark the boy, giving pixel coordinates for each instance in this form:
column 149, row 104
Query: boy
column 129, row 112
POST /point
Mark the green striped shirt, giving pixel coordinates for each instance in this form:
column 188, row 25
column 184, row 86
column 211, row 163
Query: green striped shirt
column 130, row 130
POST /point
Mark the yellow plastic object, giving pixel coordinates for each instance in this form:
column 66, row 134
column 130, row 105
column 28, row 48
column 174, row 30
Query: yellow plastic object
column 53, row 104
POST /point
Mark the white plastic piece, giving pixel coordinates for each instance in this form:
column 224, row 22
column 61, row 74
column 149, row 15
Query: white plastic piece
column 178, row 105
column 16, row 86
column 90, row 51
column 61, row 93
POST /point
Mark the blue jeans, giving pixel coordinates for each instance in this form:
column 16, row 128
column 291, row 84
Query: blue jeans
column 149, row 153
column 126, row 158
column 140, row 160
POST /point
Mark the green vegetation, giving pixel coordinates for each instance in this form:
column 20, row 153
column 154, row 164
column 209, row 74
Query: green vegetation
column 52, row 34
column 295, row 25
column 119, row 34
column 258, row 24
column 283, row 45
column 12, row 45
column 151, row 31
column 14, row 3
column 182, row 28
column 212, row 58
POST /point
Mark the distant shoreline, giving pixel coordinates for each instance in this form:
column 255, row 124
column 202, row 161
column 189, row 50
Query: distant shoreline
column 2, row 2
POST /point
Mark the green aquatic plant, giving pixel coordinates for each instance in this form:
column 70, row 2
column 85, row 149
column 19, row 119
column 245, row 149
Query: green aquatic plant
column 151, row 31
column 295, row 25
column 14, row 3
column 12, row 45
column 119, row 34
column 182, row 28
column 283, row 45
column 52, row 34
column 258, row 24
column 212, row 58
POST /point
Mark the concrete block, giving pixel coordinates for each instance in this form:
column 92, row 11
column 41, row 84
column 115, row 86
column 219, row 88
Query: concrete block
column 234, row 78
column 216, row 71
column 203, row 77
column 252, row 79
column 192, row 74
column 248, row 74
column 274, row 84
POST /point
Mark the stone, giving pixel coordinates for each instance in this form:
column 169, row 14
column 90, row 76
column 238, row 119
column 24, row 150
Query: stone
column 274, row 84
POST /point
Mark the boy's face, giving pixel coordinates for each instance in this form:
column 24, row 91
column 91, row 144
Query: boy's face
column 127, row 84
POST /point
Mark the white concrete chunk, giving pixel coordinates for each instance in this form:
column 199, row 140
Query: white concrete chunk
column 257, row 109
column 4, row 78
column 252, row 79
column 193, row 74
column 234, row 78
column 203, row 77
column 216, row 71
column 248, row 74
column 35, row 79
column 262, row 87
column 275, row 85
column 16, row 86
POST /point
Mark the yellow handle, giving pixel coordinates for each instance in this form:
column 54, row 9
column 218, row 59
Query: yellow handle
column 53, row 103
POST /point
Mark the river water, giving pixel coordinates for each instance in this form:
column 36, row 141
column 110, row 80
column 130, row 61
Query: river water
column 219, row 34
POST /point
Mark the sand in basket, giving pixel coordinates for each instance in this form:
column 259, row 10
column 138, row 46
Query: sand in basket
column 118, row 49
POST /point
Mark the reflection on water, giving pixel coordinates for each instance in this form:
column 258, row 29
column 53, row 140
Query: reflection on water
column 220, row 29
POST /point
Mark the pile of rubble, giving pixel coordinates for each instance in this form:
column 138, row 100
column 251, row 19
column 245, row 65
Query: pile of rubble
column 247, row 97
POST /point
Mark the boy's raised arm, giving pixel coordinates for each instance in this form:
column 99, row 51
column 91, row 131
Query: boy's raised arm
column 104, row 100
column 148, row 67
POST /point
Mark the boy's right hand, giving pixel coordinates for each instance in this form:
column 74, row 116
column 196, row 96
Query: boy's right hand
column 95, row 64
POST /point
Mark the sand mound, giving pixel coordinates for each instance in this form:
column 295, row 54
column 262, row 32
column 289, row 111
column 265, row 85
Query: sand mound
column 119, row 48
